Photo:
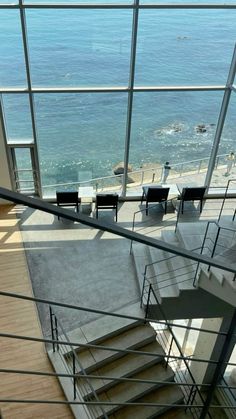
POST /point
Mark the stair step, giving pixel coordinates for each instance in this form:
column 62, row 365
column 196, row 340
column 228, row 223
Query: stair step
column 164, row 395
column 161, row 278
column 128, row 392
column 189, row 236
column 180, row 268
column 127, row 366
column 94, row 331
column 141, row 258
column 130, row 339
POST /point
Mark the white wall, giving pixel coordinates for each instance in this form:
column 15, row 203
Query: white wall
column 5, row 180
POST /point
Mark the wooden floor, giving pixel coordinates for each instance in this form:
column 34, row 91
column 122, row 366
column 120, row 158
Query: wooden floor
column 20, row 317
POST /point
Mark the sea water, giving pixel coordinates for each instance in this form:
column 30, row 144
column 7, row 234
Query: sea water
column 82, row 135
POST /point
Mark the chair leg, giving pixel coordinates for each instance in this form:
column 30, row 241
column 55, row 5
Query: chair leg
column 200, row 206
column 116, row 213
column 146, row 207
column 142, row 198
column 182, row 206
column 96, row 212
column 165, row 207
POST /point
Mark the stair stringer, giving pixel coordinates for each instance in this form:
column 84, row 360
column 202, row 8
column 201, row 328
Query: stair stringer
column 218, row 284
column 190, row 304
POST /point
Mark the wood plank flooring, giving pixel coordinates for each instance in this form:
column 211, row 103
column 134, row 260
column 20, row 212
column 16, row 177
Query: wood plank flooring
column 20, row 317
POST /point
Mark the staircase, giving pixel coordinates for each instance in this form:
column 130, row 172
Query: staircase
column 172, row 277
column 113, row 364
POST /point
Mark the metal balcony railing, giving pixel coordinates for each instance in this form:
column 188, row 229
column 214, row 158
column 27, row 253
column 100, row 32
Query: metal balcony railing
column 193, row 398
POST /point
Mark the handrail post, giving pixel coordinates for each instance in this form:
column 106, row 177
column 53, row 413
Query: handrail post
column 131, row 241
column 199, row 166
column 169, row 351
column 142, row 177
column 56, row 331
column 148, row 300
column 216, row 240
column 74, row 378
column 144, row 280
column 52, row 328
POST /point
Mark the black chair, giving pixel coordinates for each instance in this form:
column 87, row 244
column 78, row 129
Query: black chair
column 192, row 194
column 68, row 199
column 106, row 201
column 155, row 194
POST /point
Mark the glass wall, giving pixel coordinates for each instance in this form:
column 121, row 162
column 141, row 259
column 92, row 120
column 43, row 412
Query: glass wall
column 178, row 127
column 225, row 162
column 79, row 80
column 80, row 136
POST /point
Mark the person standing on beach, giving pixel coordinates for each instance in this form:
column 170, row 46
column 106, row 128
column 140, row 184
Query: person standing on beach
column 165, row 171
column 230, row 162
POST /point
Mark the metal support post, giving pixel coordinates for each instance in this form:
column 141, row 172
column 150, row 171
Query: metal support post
column 31, row 97
column 131, row 93
column 221, row 119
column 219, row 370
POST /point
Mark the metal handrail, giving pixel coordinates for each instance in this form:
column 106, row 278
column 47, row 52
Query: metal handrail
column 74, row 358
column 142, row 171
column 176, row 343
column 104, row 226
column 147, row 266
column 225, row 196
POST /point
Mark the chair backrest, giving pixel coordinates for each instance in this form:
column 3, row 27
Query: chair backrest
column 67, row 197
column 190, row 194
column 157, row 194
column 106, row 199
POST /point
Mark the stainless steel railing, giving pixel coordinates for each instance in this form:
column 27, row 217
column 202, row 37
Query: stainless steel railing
column 142, row 176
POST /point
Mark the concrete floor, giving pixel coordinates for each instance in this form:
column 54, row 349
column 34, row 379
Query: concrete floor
column 74, row 264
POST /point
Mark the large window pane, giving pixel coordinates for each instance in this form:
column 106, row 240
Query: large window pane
column 12, row 68
column 80, row 136
column 185, row 47
column 176, row 127
column 79, row 47
column 225, row 166
column 17, row 117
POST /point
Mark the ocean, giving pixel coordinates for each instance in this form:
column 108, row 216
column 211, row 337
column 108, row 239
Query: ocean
column 82, row 135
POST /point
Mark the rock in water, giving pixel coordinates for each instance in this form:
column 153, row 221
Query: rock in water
column 119, row 168
column 201, row 128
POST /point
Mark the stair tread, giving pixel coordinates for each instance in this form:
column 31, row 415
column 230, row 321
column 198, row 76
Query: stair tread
column 163, row 395
column 127, row 366
column 129, row 339
column 128, row 392
column 94, row 331
column 166, row 287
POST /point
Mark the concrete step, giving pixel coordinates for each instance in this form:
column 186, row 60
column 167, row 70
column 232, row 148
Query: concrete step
column 129, row 392
column 141, row 258
column 131, row 339
column 96, row 330
column 165, row 395
column 127, row 366
column 191, row 235
column 160, row 273
column 180, row 268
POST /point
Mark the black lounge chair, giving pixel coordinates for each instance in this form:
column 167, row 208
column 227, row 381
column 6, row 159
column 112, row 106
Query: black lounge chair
column 106, row 201
column 68, row 199
column 192, row 194
column 155, row 194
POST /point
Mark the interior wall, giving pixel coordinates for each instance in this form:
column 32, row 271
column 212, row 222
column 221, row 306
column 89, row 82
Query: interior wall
column 5, row 179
